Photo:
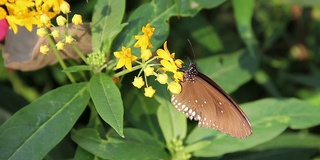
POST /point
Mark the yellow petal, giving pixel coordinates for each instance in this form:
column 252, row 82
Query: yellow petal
column 163, row 54
column 179, row 63
column 169, row 66
column 128, row 64
column 117, row 54
column 120, row 63
column 178, row 76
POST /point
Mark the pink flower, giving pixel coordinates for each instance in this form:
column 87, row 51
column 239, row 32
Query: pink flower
column 3, row 28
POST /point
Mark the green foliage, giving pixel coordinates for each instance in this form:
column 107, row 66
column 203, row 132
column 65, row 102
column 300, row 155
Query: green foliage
column 107, row 100
column 34, row 130
column 263, row 52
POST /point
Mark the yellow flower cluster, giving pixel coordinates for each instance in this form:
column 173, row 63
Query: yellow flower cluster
column 30, row 12
column 61, row 21
column 168, row 63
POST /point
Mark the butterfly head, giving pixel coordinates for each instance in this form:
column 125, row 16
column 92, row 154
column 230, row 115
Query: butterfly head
column 191, row 73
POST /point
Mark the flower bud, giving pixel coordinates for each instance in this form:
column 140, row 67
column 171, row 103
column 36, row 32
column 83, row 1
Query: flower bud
column 162, row 78
column 146, row 54
column 69, row 39
column 60, row 45
column 42, row 32
column 77, row 19
column 148, row 71
column 149, row 92
column 65, row 7
column 61, row 21
column 174, row 87
column 55, row 33
column 138, row 82
column 45, row 19
column 44, row 49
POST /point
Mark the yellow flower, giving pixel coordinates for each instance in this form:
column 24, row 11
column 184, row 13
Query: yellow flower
column 77, row 19
column 3, row 12
column 41, row 32
column 44, row 49
column 65, row 7
column 162, row 78
column 147, row 30
column 179, row 63
column 138, row 82
column 61, row 21
column 13, row 22
column 149, row 92
column 144, row 40
column 60, row 45
column 125, row 57
column 55, row 33
column 165, row 54
column 27, row 13
column 69, row 39
column 169, row 63
column 169, row 66
column 148, row 71
column 178, row 76
column 174, row 87
column 146, row 54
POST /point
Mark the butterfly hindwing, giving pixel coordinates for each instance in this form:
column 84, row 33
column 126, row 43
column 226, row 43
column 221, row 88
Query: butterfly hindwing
column 203, row 100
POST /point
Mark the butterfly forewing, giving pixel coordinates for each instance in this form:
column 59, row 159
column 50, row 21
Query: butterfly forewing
column 203, row 100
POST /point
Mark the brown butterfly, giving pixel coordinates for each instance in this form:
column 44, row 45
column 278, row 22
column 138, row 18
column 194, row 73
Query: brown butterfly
column 203, row 100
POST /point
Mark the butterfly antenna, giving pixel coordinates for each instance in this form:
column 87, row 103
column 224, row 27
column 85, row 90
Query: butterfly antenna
column 193, row 53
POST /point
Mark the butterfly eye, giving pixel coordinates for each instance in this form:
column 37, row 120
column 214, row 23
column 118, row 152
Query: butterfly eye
column 201, row 99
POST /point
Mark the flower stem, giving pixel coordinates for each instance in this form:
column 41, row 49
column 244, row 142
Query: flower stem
column 63, row 65
column 76, row 49
column 127, row 71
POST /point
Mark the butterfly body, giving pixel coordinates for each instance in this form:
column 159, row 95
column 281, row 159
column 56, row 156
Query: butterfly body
column 203, row 100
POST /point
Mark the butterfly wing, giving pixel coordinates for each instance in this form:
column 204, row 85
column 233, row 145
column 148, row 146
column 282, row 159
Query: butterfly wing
column 205, row 101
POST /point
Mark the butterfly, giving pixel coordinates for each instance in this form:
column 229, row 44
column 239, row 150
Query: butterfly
column 203, row 100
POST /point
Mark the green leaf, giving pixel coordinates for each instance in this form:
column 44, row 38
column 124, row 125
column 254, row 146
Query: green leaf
column 114, row 32
column 82, row 154
column 157, row 13
column 196, row 146
column 269, row 118
column 107, row 100
column 89, row 140
column 291, row 140
column 140, row 110
column 137, row 145
column 243, row 15
column 230, row 71
column 173, row 123
column 203, row 33
column 275, row 154
column 34, row 130
column 77, row 68
column 107, row 14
